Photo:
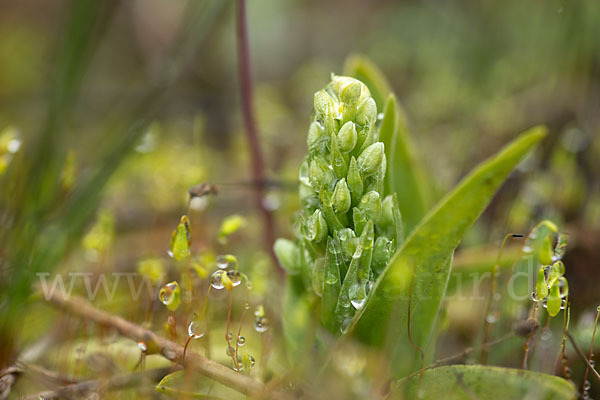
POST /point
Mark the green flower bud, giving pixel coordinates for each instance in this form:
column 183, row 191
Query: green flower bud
column 318, row 275
column 316, row 227
column 341, row 197
column 350, row 94
column 371, row 158
column 382, row 253
column 308, row 197
column 366, row 112
column 355, row 181
column 323, row 103
column 319, row 174
column 370, row 204
column 339, row 161
column 333, row 222
column 316, row 137
column 348, row 241
column 347, row 137
column 360, row 220
column 288, row 255
column 391, row 219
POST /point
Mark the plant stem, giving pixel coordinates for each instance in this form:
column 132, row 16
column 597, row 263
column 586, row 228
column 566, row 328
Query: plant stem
column 487, row 326
column 158, row 344
column 257, row 159
column 116, row 382
column 581, row 355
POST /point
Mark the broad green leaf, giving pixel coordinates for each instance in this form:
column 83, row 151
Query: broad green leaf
column 405, row 175
column 425, row 256
column 483, row 383
column 187, row 384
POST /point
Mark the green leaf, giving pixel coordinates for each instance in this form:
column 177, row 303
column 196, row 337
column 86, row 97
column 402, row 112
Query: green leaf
column 405, row 175
column 483, row 383
column 425, row 255
column 186, row 384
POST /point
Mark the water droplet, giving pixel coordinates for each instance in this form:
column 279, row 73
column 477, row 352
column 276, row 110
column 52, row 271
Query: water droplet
column 587, row 385
column 194, row 328
column 345, row 325
column 261, row 324
column 230, row 351
column 252, row 360
column 379, row 116
column 492, row 317
column 236, row 277
column 534, row 296
column 216, row 281
column 166, row 292
column 227, row 261
column 592, row 363
column 229, row 336
column 241, row 341
column 143, row 346
column 563, row 304
column 358, row 303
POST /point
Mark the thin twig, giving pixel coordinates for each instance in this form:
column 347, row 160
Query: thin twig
column 159, row 345
column 117, row 382
column 582, row 356
column 257, row 159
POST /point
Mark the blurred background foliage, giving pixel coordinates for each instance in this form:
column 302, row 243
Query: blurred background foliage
column 117, row 109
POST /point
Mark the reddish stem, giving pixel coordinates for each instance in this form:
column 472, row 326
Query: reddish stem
column 257, row 159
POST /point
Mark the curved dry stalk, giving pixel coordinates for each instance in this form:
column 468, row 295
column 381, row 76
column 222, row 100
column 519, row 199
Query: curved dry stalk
column 117, row 382
column 159, row 345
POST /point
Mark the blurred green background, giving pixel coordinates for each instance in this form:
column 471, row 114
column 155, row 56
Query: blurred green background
column 122, row 106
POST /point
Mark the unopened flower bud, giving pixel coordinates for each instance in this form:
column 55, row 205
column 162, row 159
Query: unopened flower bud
column 319, row 174
column 316, row 227
column 367, row 112
column 355, row 181
column 323, row 103
column 315, row 136
column 341, row 197
column 382, row 252
column 351, row 93
column 370, row 159
column 370, row 204
column 347, row 137
column 288, row 255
